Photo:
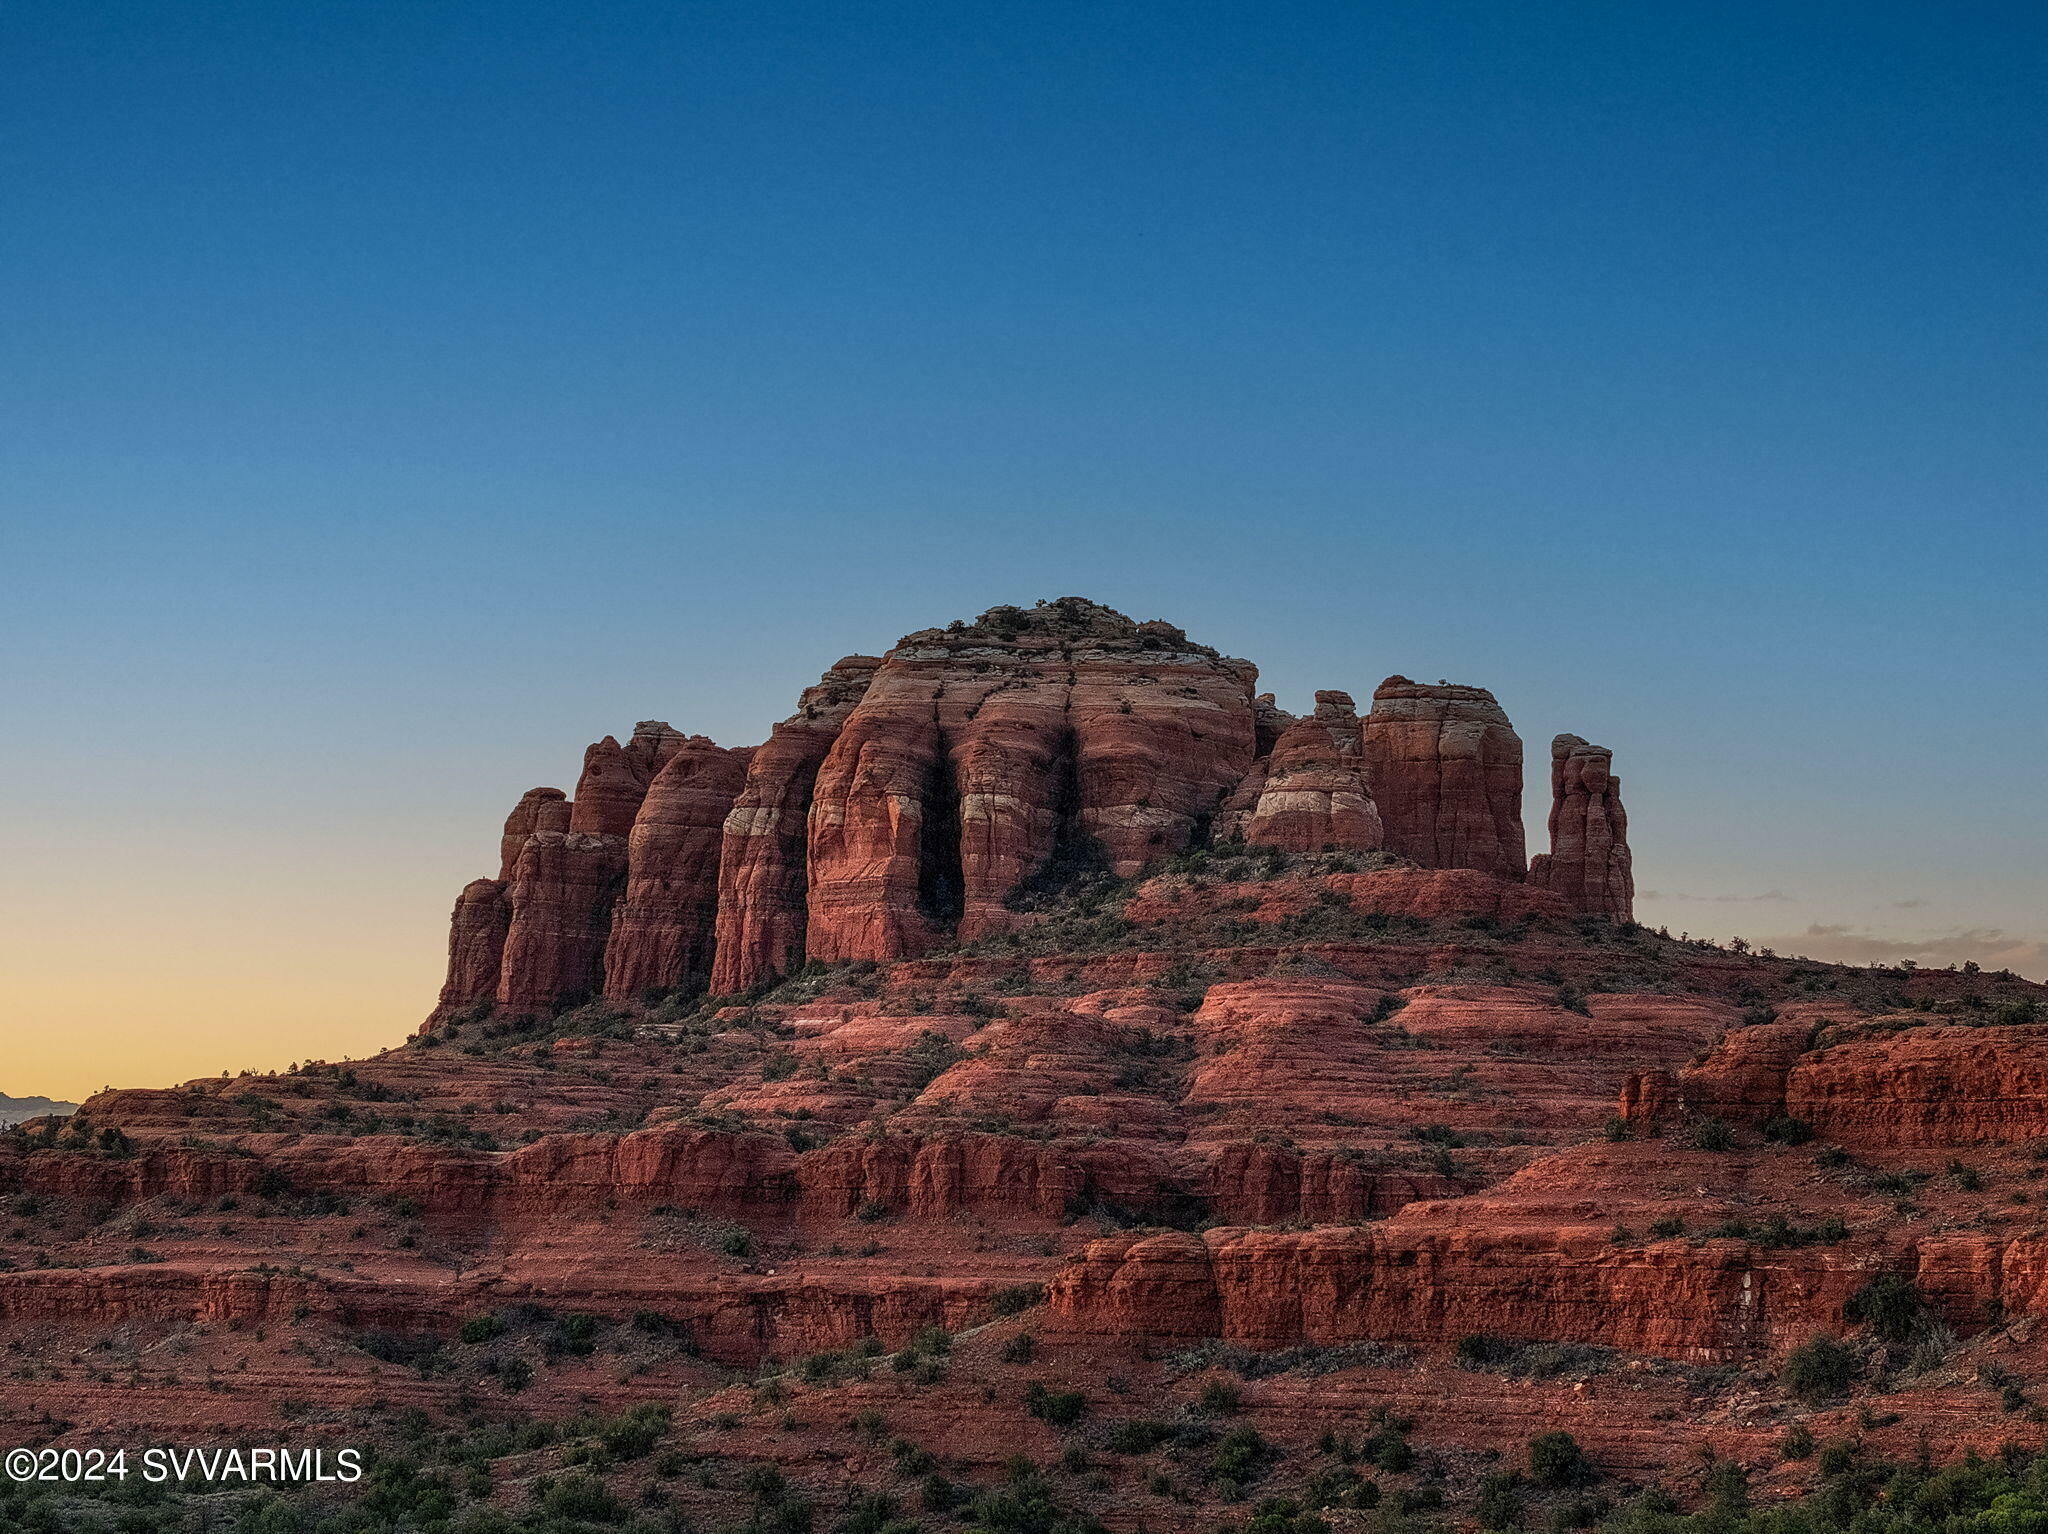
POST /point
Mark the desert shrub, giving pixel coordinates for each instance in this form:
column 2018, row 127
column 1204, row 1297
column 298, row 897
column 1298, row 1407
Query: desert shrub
column 1499, row 1505
column 1533, row 1360
column 1818, row 1371
column 1892, row 1308
column 1726, row 1487
column 652, row 1323
column 408, row 1349
column 1013, row 1298
column 575, row 1334
column 1283, row 1515
column 1711, row 1135
column 583, row 1497
column 482, row 1328
column 1305, row 1359
column 1026, row 1506
column 1388, row 1449
column 1140, row 1435
column 631, row 1435
column 1556, row 1460
column 1059, row 1408
column 1241, row 1456
column 1479, row 1351
column 1785, row 1130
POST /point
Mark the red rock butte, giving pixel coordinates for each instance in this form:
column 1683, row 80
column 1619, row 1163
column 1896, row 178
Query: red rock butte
column 910, row 799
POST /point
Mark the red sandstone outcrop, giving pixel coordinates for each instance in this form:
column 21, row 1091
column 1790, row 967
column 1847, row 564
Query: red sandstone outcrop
column 761, row 872
column 1310, row 794
column 661, row 934
column 1588, row 862
column 561, row 896
column 1269, row 723
column 1339, row 714
column 537, row 942
column 913, row 799
column 483, row 912
column 1445, row 770
column 1926, row 1086
column 1408, row 1283
column 476, row 947
column 539, row 809
column 615, row 778
column 1861, row 1085
column 981, row 751
column 1741, row 1079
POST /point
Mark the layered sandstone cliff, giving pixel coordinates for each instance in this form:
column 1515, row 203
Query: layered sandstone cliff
column 1446, row 773
column 760, row 918
column 661, row 934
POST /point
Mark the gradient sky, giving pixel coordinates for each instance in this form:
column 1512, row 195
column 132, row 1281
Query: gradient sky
column 399, row 396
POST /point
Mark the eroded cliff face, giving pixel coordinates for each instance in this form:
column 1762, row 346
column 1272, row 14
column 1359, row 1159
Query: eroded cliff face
column 1446, row 772
column 1863, row 1083
column 761, row 915
column 983, row 753
column 662, row 932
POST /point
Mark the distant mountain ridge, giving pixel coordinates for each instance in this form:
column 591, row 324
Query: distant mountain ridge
column 14, row 1110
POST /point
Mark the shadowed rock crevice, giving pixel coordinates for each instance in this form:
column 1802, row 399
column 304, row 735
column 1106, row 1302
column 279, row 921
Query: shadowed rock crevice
column 941, row 881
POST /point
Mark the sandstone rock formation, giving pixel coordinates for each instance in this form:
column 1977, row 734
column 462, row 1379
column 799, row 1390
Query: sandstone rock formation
column 1588, row 862
column 1310, row 794
column 661, row 933
column 539, row 809
column 983, row 752
column 1445, row 770
column 762, row 885
column 476, row 946
column 1859, row 1084
column 483, row 912
column 935, row 794
column 615, row 778
column 561, row 895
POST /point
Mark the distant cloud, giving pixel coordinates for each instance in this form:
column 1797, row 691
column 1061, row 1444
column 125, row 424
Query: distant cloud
column 1714, row 899
column 1992, row 947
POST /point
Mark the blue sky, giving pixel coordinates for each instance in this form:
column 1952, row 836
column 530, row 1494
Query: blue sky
column 402, row 395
